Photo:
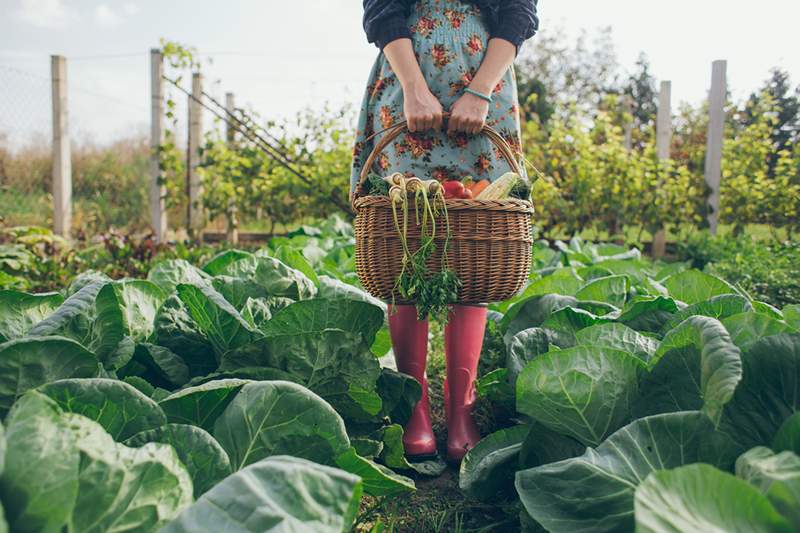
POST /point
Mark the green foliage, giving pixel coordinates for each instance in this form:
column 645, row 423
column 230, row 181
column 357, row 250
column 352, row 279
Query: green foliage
column 768, row 272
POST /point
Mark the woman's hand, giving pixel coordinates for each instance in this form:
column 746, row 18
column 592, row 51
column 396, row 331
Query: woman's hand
column 422, row 109
column 468, row 115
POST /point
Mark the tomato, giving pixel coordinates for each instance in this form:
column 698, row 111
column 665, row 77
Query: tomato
column 466, row 195
column 453, row 189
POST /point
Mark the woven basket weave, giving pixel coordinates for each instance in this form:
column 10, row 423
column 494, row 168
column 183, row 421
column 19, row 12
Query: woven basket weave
column 490, row 240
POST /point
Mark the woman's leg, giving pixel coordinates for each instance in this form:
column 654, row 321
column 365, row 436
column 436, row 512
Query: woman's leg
column 410, row 346
column 463, row 339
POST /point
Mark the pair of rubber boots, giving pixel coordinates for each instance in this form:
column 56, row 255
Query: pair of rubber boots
column 463, row 338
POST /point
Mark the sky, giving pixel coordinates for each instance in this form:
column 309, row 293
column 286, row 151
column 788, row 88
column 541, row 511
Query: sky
column 280, row 57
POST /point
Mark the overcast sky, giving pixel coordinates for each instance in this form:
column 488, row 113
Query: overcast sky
column 280, row 57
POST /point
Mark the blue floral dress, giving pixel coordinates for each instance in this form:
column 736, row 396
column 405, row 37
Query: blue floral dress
column 449, row 39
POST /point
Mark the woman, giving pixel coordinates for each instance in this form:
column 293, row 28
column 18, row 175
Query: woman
column 442, row 55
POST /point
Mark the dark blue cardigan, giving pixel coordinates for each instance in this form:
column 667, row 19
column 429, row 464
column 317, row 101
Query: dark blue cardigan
column 512, row 20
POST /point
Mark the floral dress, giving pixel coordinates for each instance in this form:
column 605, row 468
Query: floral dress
column 449, row 39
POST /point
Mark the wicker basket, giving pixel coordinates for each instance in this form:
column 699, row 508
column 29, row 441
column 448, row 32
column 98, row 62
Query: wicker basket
column 490, row 240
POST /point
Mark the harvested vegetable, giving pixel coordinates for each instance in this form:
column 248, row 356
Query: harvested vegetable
column 500, row 188
column 453, row 189
column 433, row 293
column 478, row 187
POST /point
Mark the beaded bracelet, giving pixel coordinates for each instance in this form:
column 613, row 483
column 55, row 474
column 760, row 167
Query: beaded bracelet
column 482, row 96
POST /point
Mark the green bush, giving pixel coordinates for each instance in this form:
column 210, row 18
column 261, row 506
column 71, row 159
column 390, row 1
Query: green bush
column 768, row 271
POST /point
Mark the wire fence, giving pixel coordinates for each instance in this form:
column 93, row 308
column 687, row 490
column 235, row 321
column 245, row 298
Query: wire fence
column 108, row 99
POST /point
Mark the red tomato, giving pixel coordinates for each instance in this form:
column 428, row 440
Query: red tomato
column 466, row 194
column 453, row 189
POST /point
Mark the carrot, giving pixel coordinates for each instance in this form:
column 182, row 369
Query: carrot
column 478, row 187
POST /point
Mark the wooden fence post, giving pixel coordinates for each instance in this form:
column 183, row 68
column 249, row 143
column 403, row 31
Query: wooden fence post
column 158, row 191
column 663, row 142
column 62, row 160
column 196, row 218
column 716, row 127
column 232, row 228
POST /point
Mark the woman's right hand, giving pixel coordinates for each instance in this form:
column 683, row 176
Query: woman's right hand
column 422, row 109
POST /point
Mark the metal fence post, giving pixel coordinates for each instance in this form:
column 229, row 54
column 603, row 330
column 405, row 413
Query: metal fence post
column 62, row 160
column 716, row 127
column 158, row 191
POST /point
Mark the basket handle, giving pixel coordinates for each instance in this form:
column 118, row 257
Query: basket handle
column 396, row 130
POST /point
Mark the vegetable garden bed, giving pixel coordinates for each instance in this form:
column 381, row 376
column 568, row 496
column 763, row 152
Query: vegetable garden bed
column 621, row 394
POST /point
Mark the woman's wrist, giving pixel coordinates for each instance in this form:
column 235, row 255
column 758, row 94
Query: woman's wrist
column 481, row 87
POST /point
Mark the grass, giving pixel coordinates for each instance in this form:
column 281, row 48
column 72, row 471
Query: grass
column 438, row 504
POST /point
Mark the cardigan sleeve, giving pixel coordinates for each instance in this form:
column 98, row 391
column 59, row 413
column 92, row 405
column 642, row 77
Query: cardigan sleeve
column 517, row 21
column 385, row 20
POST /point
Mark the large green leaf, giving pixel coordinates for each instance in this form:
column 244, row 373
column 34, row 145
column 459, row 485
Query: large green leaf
column 32, row 361
column 693, row 286
column 333, row 289
column 788, row 435
column 594, row 492
column 40, row 480
column 791, row 313
column 718, row 307
column 294, row 259
column 316, row 316
column 377, row 479
column 569, row 320
column 219, row 262
column 611, row 289
column 563, row 281
column 238, row 291
column 176, row 330
column 532, row 312
column 274, row 276
column 276, row 495
column 399, row 394
column 118, row 407
column 648, row 313
column 488, row 469
column 160, row 366
column 19, row 311
column 544, row 445
column 768, row 393
column 696, row 366
column 747, row 328
column 205, row 460
column 529, row 344
column 277, row 418
column 92, row 316
column 619, row 337
column 172, row 272
column 139, row 301
column 583, row 392
column 702, row 498
column 777, row 476
column 216, row 319
column 129, row 489
column 325, row 345
column 201, row 405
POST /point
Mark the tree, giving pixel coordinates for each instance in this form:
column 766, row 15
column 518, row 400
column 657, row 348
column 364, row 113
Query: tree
column 786, row 104
column 641, row 87
column 573, row 77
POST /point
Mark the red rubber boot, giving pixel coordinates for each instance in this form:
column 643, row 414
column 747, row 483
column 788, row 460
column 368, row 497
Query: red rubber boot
column 410, row 347
column 463, row 338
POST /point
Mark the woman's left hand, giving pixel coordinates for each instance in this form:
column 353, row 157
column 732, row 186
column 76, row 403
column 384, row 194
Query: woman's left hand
column 468, row 115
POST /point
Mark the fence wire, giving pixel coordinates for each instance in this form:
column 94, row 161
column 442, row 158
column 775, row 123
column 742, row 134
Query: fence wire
column 25, row 108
